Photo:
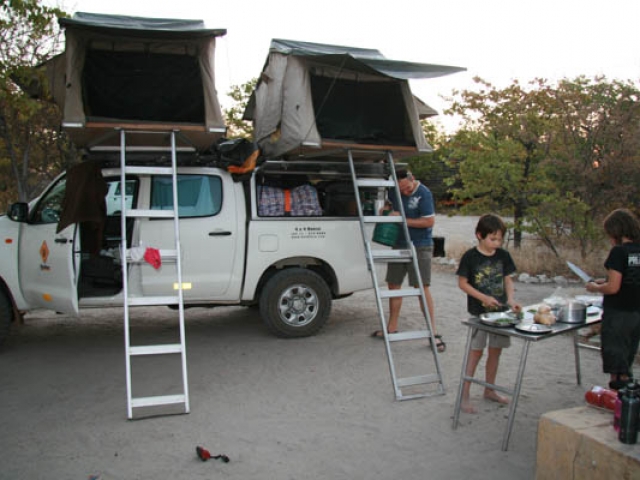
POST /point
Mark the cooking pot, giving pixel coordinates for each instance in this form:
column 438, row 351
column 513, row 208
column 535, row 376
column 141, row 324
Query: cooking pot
column 573, row 312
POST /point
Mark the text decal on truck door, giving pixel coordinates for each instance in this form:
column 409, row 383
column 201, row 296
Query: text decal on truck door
column 300, row 233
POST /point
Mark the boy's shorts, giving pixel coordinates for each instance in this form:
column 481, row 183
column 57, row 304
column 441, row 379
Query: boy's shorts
column 397, row 271
column 479, row 340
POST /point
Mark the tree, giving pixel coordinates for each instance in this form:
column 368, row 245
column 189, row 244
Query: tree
column 500, row 148
column 556, row 158
column 31, row 143
column 595, row 155
column 431, row 168
column 240, row 94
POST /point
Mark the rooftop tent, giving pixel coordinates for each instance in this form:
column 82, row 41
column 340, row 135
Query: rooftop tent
column 138, row 73
column 312, row 95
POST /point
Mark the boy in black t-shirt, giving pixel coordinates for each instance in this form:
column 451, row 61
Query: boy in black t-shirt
column 620, row 334
column 484, row 275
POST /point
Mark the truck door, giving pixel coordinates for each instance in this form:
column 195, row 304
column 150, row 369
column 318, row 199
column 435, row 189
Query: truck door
column 49, row 261
column 208, row 237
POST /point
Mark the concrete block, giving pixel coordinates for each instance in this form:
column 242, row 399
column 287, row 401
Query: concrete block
column 581, row 444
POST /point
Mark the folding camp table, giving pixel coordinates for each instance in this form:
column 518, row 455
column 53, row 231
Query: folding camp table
column 556, row 329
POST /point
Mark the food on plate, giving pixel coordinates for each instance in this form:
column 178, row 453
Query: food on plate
column 503, row 322
column 544, row 315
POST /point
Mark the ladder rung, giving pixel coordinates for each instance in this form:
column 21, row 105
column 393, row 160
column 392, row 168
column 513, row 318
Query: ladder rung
column 400, row 292
column 149, row 170
column 150, row 213
column 367, row 182
column 411, row 335
column 391, row 254
column 158, row 400
column 419, row 380
column 156, row 349
column 165, row 254
column 382, row 219
column 150, row 301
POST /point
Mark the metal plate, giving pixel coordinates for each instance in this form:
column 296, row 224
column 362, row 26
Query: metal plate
column 499, row 319
column 533, row 328
column 593, row 310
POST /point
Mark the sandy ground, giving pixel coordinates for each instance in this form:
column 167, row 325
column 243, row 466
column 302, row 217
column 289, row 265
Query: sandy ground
column 313, row 408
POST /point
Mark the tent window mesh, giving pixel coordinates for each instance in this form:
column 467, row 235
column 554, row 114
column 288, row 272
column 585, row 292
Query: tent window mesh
column 361, row 112
column 143, row 87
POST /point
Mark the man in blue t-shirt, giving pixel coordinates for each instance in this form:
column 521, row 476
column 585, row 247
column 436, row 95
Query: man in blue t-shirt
column 419, row 209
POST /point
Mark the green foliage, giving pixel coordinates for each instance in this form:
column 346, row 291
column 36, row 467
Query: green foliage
column 430, row 168
column 556, row 158
column 31, row 144
column 240, row 94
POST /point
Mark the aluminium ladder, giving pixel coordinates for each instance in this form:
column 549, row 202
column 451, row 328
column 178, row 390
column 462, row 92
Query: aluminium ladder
column 181, row 398
column 415, row 386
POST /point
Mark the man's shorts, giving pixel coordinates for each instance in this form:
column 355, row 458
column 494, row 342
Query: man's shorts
column 397, row 271
column 479, row 340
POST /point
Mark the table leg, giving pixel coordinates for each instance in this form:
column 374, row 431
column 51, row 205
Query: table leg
column 576, row 349
column 516, row 395
column 456, row 410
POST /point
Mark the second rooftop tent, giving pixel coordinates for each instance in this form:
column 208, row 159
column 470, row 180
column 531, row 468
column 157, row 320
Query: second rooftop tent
column 312, row 96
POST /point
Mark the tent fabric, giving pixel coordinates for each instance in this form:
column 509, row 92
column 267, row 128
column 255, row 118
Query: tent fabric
column 118, row 24
column 361, row 59
column 309, row 94
column 123, row 70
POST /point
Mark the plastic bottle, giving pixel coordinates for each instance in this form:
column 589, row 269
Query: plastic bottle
column 629, row 414
column 617, row 410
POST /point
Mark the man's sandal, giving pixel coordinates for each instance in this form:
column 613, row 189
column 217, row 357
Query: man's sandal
column 380, row 334
column 440, row 345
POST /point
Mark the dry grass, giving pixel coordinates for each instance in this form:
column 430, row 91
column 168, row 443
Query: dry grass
column 536, row 259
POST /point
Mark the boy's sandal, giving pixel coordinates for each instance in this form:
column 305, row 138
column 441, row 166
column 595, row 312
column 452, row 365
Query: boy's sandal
column 441, row 346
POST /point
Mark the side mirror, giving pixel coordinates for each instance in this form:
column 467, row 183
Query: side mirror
column 18, row 212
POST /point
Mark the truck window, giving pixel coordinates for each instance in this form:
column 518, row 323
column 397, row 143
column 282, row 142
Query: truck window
column 49, row 207
column 198, row 195
column 114, row 194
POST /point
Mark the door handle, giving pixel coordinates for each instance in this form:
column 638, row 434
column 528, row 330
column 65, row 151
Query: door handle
column 61, row 240
column 220, row 233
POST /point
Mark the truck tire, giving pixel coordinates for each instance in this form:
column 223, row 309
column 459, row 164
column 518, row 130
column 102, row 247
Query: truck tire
column 6, row 316
column 295, row 302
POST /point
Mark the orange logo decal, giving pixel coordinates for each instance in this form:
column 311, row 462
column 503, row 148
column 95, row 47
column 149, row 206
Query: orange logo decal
column 44, row 252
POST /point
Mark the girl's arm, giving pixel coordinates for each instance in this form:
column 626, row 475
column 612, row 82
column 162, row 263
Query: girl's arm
column 610, row 287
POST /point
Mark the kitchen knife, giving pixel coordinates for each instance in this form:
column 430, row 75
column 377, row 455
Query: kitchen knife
column 580, row 273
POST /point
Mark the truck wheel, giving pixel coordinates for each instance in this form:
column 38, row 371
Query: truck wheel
column 6, row 316
column 295, row 302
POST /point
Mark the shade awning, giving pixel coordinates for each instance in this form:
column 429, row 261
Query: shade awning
column 365, row 60
column 136, row 26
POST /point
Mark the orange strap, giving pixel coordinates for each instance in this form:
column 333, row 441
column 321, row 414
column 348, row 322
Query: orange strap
column 287, row 200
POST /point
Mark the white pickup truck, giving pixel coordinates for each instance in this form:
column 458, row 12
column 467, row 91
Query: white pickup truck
column 292, row 267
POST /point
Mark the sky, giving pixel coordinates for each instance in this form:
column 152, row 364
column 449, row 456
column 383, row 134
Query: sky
column 497, row 40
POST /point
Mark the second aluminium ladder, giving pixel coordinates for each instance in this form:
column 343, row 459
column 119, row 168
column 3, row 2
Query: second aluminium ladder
column 181, row 397
column 416, row 386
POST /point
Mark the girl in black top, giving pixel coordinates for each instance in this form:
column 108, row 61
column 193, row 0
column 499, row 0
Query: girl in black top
column 620, row 333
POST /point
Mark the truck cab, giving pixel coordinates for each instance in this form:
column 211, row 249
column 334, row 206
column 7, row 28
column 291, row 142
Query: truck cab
column 232, row 253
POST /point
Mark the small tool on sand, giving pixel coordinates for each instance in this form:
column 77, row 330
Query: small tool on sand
column 204, row 455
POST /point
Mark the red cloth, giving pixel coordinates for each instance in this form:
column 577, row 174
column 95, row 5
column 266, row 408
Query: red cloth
column 152, row 257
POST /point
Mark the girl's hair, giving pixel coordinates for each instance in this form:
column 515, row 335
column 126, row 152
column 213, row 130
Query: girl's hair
column 490, row 223
column 622, row 223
